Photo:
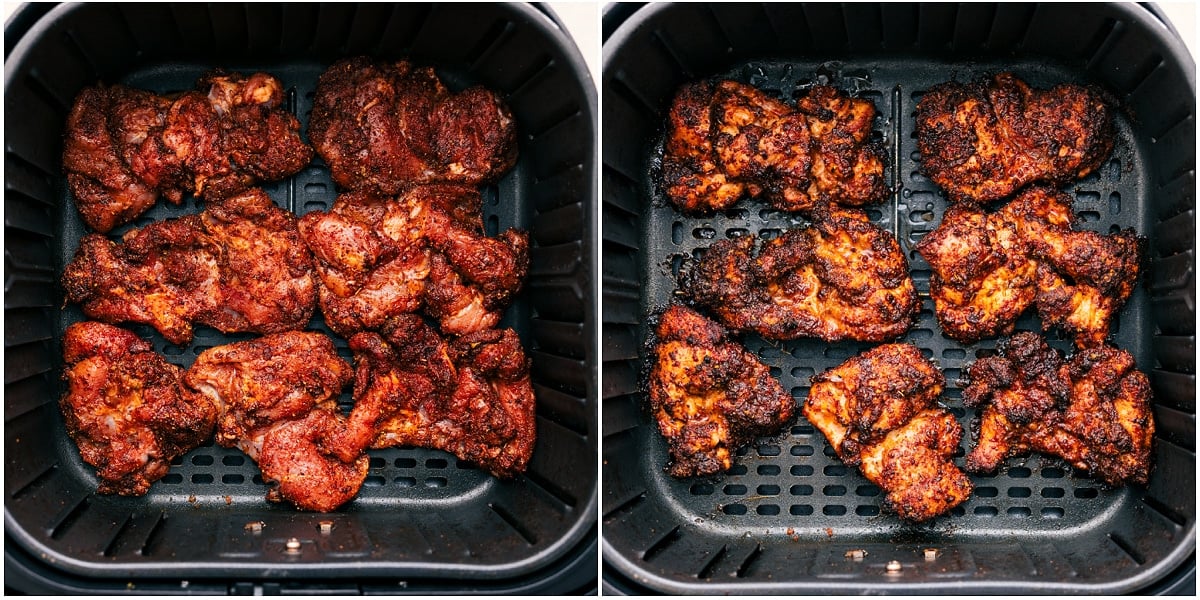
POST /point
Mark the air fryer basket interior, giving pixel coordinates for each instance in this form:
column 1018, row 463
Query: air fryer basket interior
column 422, row 515
column 785, row 517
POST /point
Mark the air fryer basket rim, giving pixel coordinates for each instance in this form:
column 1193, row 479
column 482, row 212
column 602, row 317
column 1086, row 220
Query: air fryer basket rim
column 623, row 23
column 30, row 21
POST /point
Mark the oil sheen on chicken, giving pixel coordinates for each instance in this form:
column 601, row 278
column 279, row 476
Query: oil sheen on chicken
column 278, row 398
column 384, row 127
column 879, row 412
column 982, row 141
column 1092, row 410
column 125, row 147
column 709, row 395
column 470, row 396
column 840, row 278
column 726, row 140
column 125, row 408
column 237, row 266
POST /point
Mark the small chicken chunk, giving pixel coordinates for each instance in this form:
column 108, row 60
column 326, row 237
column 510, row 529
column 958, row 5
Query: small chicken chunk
column 878, row 410
column 840, row 278
column 1092, row 410
column 982, row 141
column 709, row 395
column 126, row 409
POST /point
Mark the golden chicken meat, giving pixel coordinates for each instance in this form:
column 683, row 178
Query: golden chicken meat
column 470, row 396
column 126, row 409
column 726, row 140
column 840, row 278
column 237, row 266
column 709, row 395
column 124, row 147
column 384, row 127
column 380, row 257
column 879, row 412
column 278, row 403
column 1092, row 410
column 984, row 140
column 988, row 268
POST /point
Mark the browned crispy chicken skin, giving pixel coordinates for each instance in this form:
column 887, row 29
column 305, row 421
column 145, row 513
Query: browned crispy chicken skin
column 383, row 127
column 380, row 257
column 709, row 395
column 124, row 147
column 840, row 278
column 471, row 396
column 1092, row 410
column 989, row 268
column 726, row 140
column 985, row 140
column 878, row 410
column 125, row 407
column 278, row 398
column 237, row 266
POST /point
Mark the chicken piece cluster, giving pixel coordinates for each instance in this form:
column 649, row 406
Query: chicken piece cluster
column 840, row 278
column 982, row 141
column 383, row 127
column 988, row 268
column 709, row 395
column 470, row 396
column 125, row 147
column 726, row 140
column 125, row 408
column 378, row 258
column 879, row 412
column 238, row 266
column 1092, row 410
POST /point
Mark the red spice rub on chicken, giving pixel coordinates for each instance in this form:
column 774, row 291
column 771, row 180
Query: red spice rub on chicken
column 878, row 410
column 727, row 139
column 125, row 408
column 125, row 147
column 709, row 395
column 985, row 140
column 238, row 266
column 383, row 127
column 1092, row 410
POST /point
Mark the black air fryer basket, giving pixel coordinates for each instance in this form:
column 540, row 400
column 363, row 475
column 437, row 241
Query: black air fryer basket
column 423, row 521
column 789, row 515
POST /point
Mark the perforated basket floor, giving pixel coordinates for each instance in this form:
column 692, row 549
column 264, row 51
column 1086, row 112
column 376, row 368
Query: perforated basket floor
column 785, row 516
column 423, row 518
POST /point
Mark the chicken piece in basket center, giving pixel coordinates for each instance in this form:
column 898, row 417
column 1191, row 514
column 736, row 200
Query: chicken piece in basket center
column 709, row 395
column 879, row 412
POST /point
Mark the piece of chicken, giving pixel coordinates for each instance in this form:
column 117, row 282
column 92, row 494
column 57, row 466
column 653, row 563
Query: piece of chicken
column 985, row 140
column 379, row 257
column 840, row 278
column 988, row 268
column 124, row 147
column 878, row 410
column 726, row 139
column 125, row 408
column 383, row 127
column 471, row 396
column 1092, row 410
column 237, row 266
column 278, row 398
column 709, row 395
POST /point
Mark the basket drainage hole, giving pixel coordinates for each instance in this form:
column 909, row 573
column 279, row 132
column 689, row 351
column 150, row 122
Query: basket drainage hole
column 834, row 511
column 435, row 463
column 866, row 510
column 801, row 470
column 734, row 490
column 377, row 463
column 436, row 482
column 986, row 492
column 373, row 481
column 769, row 450
column 1086, row 493
column 405, row 481
column 834, row 490
column 768, row 490
column 800, row 510
column 1053, row 492
column 1019, row 492
column 172, row 478
column 834, row 470
column 767, row 509
column 768, row 470
column 1019, row 511
column 1019, row 472
column 801, row 490
column 233, row 461
column 733, row 509
column 406, row 463
column 202, row 460
column 1052, row 512
column 986, row 511
column 802, row 450
column 232, row 479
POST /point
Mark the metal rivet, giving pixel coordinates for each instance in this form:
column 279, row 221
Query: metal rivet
column 325, row 527
column 254, row 527
column 931, row 553
column 894, row 566
column 293, row 546
column 856, row 554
